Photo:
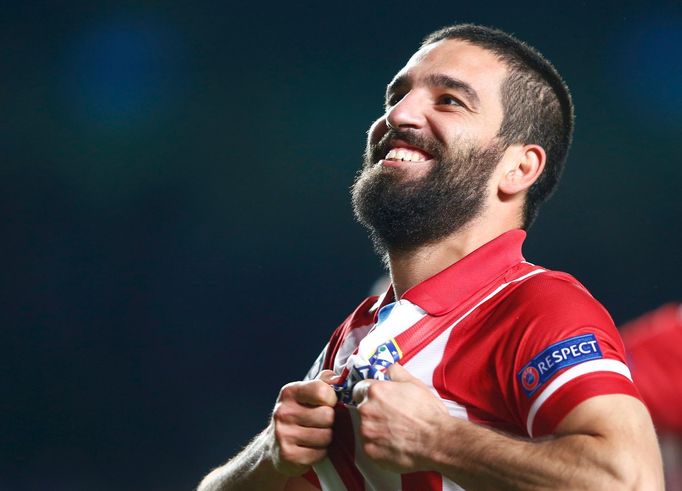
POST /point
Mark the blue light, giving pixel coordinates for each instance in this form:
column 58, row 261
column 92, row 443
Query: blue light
column 124, row 72
column 649, row 70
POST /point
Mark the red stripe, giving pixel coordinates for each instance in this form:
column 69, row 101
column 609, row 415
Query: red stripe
column 431, row 481
column 342, row 450
column 415, row 338
column 563, row 401
column 312, row 478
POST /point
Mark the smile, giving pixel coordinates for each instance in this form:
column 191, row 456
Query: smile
column 403, row 152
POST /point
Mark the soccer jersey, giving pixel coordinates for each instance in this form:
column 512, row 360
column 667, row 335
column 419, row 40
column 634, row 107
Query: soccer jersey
column 502, row 342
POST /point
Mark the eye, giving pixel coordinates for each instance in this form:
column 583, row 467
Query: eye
column 448, row 100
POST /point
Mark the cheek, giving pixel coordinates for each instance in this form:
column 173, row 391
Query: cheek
column 376, row 131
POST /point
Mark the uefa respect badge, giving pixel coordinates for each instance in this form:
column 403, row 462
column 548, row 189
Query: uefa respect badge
column 549, row 361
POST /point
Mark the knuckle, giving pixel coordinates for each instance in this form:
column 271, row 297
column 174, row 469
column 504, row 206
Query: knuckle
column 374, row 390
column 327, row 415
column 326, row 436
column 316, row 455
column 364, row 410
column 370, row 450
column 280, row 434
column 286, row 453
column 286, row 391
column 365, row 432
column 281, row 413
column 319, row 389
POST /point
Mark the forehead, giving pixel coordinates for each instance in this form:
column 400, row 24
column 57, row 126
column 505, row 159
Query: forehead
column 461, row 60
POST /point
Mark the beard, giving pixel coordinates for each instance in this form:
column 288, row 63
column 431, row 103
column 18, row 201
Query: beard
column 402, row 213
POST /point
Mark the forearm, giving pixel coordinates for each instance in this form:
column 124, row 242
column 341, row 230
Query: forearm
column 250, row 469
column 481, row 459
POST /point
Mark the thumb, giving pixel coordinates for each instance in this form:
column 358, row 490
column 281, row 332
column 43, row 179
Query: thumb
column 399, row 373
column 328, row 377
column 361, row 388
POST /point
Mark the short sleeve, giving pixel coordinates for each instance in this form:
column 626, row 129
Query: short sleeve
column 568, row 351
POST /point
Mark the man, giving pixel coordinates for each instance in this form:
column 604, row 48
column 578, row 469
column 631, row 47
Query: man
column 488, row 372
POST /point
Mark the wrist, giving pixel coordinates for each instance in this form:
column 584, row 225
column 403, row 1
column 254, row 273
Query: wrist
column 445, row 444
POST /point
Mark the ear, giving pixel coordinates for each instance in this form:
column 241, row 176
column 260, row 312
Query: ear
column 525, row 164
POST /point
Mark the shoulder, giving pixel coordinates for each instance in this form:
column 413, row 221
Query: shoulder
column 557, row 297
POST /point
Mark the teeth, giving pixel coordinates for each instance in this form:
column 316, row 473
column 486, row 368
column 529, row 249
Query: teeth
column 405, row 155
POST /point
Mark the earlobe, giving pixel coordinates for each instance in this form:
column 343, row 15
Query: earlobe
column 528, row 164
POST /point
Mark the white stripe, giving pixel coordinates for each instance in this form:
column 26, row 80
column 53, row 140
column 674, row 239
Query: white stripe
column 449, row 485
column 571, row 374
column 404, row 315
column 348, row 346
column 376, row 478
column 455, row 409
column 495, row 292
column 328, row 477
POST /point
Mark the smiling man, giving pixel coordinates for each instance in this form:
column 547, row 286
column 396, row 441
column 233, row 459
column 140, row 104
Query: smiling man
column 476, row 369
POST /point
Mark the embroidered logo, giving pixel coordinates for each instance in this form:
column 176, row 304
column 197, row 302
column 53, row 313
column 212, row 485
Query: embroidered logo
column 566, row 353
column 375, row 368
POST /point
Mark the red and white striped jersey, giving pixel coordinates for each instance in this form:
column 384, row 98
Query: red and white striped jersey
column 501, row 342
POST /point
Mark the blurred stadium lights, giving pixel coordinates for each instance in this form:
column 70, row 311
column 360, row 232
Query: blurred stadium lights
column 123, row 72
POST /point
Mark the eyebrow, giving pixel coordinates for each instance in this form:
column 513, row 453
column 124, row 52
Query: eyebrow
column 438, row 80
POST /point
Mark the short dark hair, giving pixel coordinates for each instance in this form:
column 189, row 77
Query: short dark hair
column 536, row 101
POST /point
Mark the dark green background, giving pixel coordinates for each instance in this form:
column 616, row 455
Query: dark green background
column 176, row 235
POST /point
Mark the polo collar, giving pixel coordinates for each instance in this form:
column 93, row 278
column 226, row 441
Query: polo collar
column 444, row 291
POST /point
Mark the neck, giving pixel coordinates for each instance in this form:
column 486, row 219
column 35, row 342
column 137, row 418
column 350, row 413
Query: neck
column 409, row 268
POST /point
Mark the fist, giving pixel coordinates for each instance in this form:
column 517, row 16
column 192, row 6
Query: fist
column 302, row 424
column 399, row 420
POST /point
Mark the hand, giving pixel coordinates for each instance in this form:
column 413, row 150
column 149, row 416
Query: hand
column 302, row 422
column 398, row 420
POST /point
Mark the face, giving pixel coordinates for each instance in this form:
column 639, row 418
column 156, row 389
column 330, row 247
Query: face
column 429, row 158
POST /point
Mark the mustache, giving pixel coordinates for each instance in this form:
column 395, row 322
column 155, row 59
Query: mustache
column 379, row 150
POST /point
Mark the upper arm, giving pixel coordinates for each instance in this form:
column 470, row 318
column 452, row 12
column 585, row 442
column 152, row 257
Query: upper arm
column 622, row 426
column 567, row 351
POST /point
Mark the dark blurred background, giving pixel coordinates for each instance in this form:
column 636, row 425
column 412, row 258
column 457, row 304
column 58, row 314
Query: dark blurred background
column 176, row 236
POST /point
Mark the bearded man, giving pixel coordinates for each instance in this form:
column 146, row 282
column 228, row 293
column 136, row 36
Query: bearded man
column 476, row 369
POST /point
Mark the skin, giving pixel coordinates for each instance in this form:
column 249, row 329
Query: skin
column 606, row 442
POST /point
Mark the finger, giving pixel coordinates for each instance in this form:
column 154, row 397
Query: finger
column 313, row 437
column 399, row 373
column 298, row 459
column 316, row 393
column 292, row 413
column 328, row 377
column 360, row 390
column 316, row 417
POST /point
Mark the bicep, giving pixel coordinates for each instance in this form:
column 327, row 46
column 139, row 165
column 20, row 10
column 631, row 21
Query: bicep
column 622, row 427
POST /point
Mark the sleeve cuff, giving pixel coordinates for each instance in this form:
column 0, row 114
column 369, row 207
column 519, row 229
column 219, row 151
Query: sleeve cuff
column 575, row 386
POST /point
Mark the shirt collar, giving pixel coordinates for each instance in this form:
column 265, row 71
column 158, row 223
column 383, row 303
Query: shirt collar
column 444, row 291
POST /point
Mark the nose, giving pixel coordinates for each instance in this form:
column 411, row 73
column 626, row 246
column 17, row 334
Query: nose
column 408, row 112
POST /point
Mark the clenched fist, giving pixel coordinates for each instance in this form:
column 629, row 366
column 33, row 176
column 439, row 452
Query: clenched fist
column 399, row 419
column 302, row 424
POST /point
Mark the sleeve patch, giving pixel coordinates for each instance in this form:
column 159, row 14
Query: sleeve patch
column 566, row 353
